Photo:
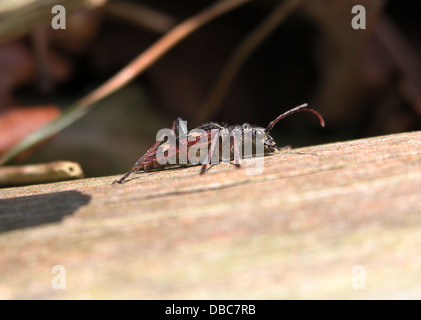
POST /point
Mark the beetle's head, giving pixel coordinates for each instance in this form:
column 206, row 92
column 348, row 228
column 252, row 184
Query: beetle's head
column 270, row 144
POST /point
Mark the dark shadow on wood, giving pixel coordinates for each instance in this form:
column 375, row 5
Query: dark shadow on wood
column 24, row 212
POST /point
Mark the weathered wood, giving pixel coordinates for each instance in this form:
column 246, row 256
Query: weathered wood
column 295, row 231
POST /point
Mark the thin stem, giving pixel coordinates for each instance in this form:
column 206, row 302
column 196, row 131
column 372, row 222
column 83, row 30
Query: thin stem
column 240, row 56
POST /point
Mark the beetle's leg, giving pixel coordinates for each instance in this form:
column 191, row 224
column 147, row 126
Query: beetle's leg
column 211, row 151
column 139, row 163
column 181, row 126
column 236, row 145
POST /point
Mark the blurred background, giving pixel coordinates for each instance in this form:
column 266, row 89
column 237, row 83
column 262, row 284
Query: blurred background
column 364, row 82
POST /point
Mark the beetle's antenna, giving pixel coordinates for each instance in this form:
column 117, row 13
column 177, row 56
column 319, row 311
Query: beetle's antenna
column 303, row 107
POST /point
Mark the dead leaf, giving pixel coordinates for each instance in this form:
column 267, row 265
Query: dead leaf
column 18, row 122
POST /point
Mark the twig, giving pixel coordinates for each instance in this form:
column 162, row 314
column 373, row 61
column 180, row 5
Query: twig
column 40, row 44
column 141, row 15
column 240, row 56
column 19, row 18
column 133, row 69
column 39, row 173
column 406, row 59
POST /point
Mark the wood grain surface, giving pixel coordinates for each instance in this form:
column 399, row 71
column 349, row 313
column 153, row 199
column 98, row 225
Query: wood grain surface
column 296, row 231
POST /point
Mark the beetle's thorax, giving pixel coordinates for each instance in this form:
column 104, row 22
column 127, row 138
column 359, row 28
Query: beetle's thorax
column 246, row 135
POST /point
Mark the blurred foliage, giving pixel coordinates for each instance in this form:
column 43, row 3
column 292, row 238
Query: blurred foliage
column 364, row 82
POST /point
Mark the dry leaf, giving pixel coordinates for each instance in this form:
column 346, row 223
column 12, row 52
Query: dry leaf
column 18, row 122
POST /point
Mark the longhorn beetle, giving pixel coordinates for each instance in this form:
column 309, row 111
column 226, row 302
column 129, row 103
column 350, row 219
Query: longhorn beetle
column 210, row 133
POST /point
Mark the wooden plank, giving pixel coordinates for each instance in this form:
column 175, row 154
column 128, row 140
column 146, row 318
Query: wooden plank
column 297, row 230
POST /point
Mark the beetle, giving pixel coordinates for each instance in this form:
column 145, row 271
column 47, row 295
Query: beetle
column 208, row 134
